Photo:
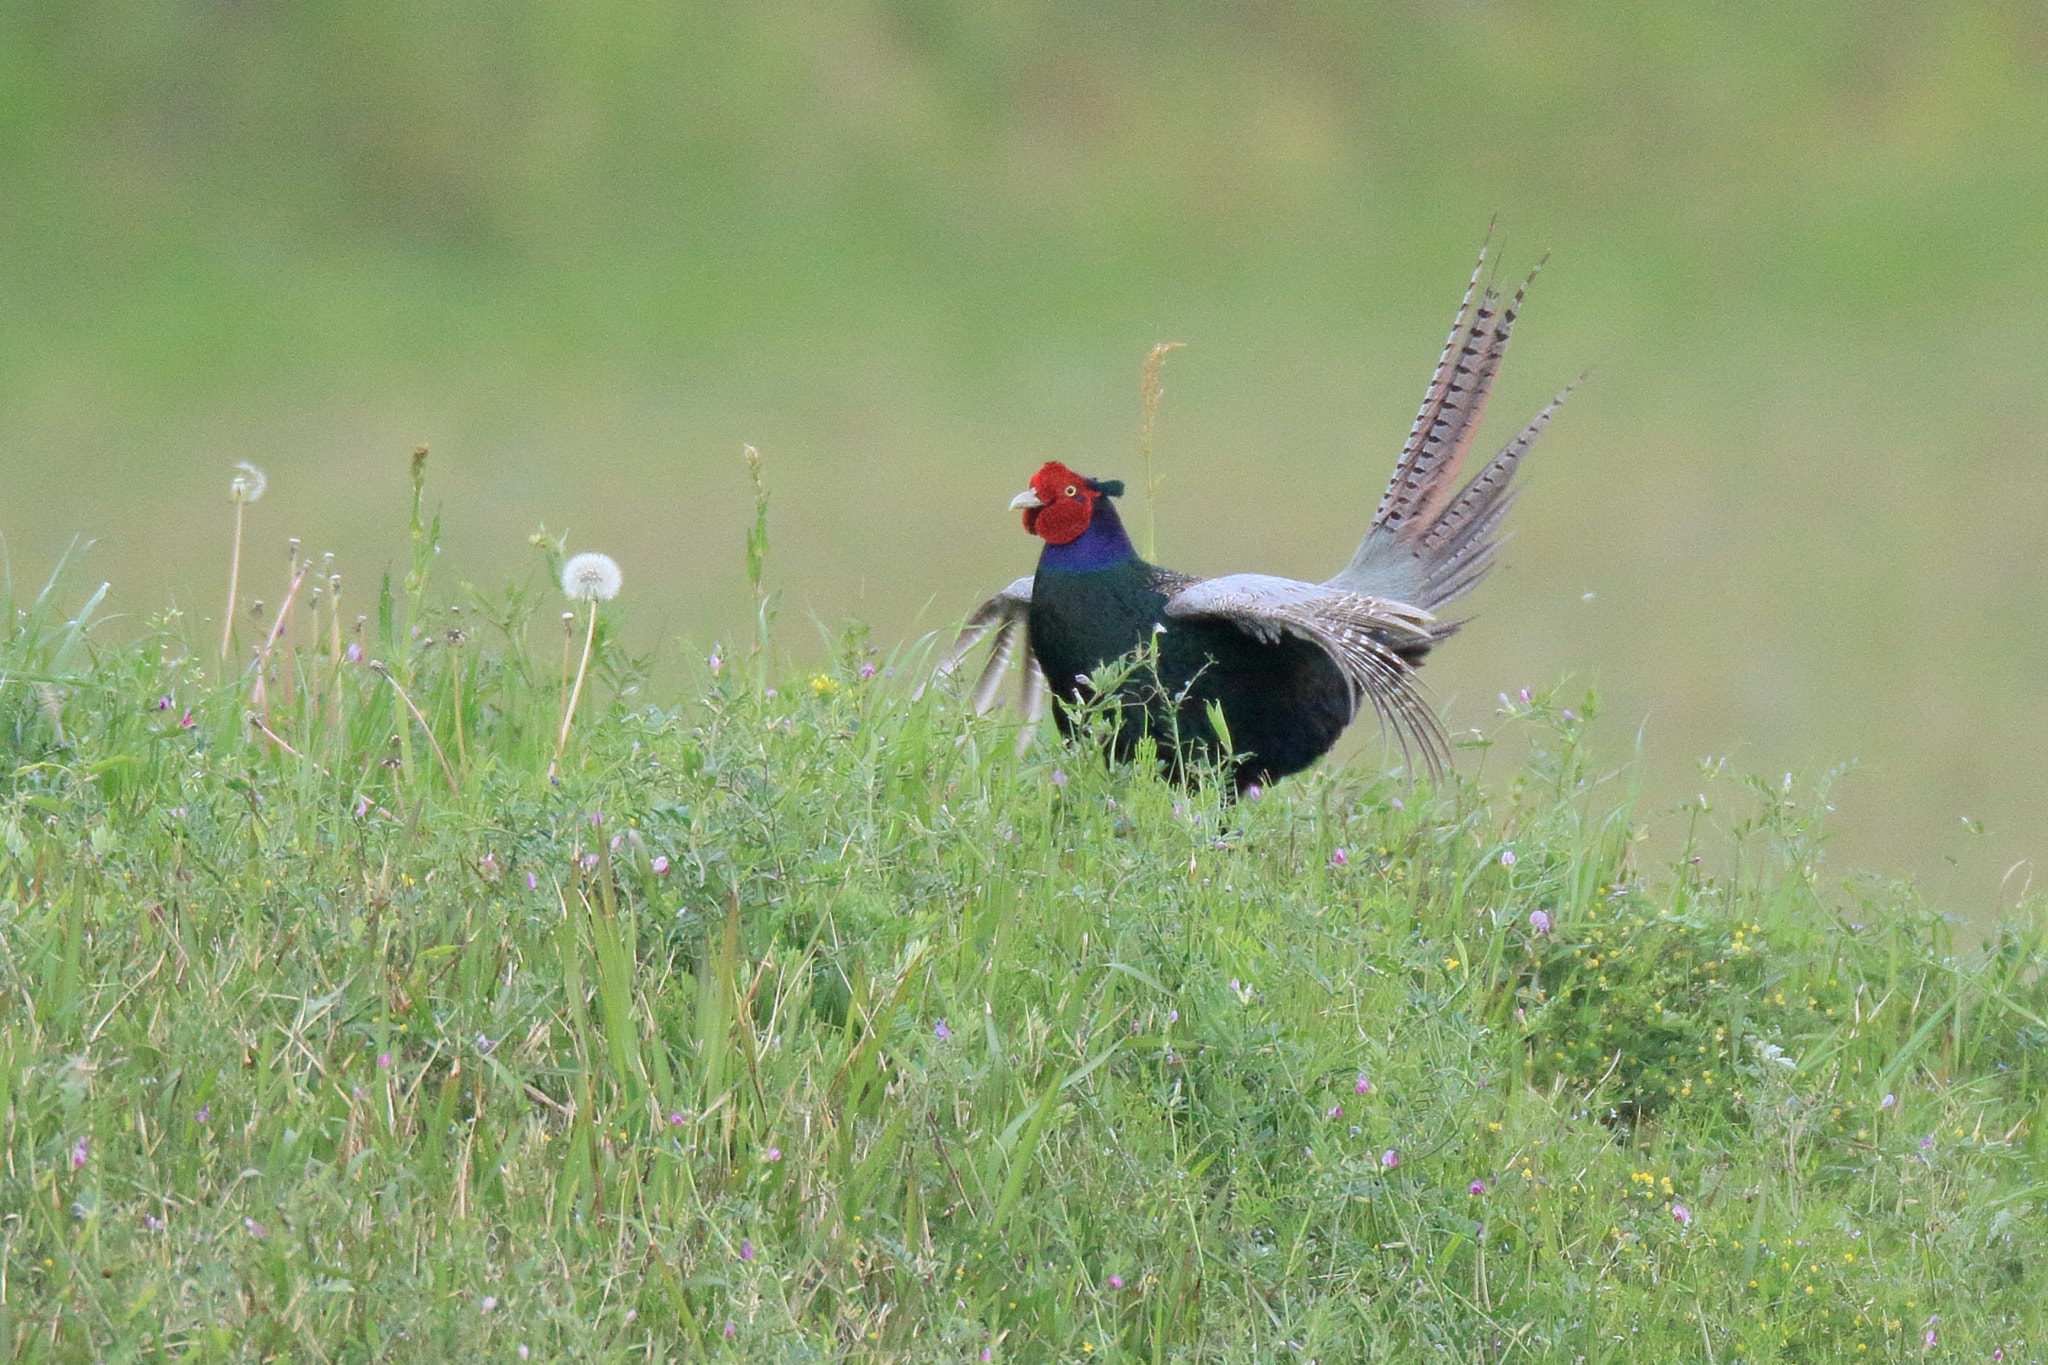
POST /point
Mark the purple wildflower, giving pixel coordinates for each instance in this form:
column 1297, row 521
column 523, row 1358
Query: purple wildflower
column 163, row 703
column 205, row 1114
column 1507, row 857
column 941, row 1032
column 1927, row 1142
column 384, row 1060
column 730, row 1330
column 1390, row 1158
column 1059, row 777
column 532, row 882
column 490, row 1301
column 253, row 1228
column 661, row 864
column 1523, row 696
column 1394, row 803
column 1888, row 1101
column 1253, row 791
column 1116, row 1282
column 1476, row 1188
column 867, row 670
column 1338, row 857
column 185, row 722
column 746, row 1249
column 589, row 861
column 773, row 1154
column 78, row 1155
column 1361, row 1086
column 1681, row 1215
column 1335, row 1111
column 675, row 1120
column 1539, row 923
column 354, row 653
column 717, row 664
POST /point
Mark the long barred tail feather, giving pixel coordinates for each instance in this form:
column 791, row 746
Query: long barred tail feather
column 1459, row 546
column 1430, row 540
column 1411, row 478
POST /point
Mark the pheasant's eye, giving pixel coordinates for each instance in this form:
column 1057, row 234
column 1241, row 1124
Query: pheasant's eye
column 1072, row 491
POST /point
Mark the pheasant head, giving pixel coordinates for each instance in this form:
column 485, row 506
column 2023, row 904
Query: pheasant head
column 1059, row 504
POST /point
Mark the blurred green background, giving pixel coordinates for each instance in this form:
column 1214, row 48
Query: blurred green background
column 913, row 249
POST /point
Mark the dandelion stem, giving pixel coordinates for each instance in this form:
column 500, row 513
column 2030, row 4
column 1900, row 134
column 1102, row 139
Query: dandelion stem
column 569, row 711
column 261, row 696
column 227, row 628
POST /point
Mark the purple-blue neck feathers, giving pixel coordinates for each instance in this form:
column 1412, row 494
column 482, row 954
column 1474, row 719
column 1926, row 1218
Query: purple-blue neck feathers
column 1103, row 545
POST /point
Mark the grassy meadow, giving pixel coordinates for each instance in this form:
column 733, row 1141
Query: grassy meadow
column 799, row 1019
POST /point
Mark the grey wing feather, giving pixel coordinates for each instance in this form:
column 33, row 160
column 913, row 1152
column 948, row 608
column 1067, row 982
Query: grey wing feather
column 1032, row 695
column 1006, row 616
column 1361, row 634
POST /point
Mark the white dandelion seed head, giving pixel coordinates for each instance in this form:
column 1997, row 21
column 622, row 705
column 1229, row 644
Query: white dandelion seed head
column 248, row 483
column 591, row 577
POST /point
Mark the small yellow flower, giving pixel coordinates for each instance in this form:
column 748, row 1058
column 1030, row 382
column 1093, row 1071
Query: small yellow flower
column 824, row 685
column 1451, row 965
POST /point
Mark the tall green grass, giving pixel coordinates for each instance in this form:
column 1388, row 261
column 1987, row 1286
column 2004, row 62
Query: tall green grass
column 801, row 1020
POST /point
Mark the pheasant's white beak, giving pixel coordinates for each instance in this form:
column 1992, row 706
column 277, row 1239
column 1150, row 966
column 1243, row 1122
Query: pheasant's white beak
column 1026, row 499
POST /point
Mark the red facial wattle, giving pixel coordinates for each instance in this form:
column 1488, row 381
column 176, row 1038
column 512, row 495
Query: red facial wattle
column 1064, row 520
column 1066, row 505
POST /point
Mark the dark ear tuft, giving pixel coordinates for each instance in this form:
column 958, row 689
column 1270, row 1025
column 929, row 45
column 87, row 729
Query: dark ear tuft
column 1111, row 487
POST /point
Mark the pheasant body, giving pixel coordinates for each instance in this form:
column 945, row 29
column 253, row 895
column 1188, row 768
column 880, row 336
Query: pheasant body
column 1094, row 602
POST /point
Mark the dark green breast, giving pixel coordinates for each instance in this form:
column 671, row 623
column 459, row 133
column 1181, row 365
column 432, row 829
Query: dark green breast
column 1094, row 603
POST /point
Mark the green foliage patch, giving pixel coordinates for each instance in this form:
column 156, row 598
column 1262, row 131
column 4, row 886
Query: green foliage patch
column 802, row 1020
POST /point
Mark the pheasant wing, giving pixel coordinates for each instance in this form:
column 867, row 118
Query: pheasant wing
column 1362, row 634
column 1006, row 616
